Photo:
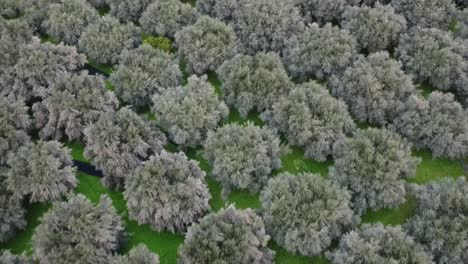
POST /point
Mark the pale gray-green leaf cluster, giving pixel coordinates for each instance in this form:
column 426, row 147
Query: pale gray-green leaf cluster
column 426, row 13
column 128, row 10
column 137, row 255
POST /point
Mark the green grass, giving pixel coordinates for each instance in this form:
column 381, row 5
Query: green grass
column 426, row 89
column 283, row 256
column 391, row 216
column 109, row 86
column 106, row 68
column 295, row 162
column 21, row 242
column 76, row 150
column 103, row 10
column 235, row 117
column 48, row 38
column 431, row 169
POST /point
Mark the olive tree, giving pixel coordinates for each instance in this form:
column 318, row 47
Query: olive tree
column 441, row 219
column 13, row 34
column 12, row 213
column 77, row 231
column 142, row 72
column 220, row 9
column 375, row 28
column 461, row 28
column 376, row 243
column 227, row 236
column 14, row 125
column 242, row 157
column 265, row 25
column 319, row 52
column 188, row 112
column 137, row 255
column 426, row 13
column 206, row 44
column 311, row 118
column 253, row 82
column 434, row 57
column 373, row 87
column 323, row 11
column 439, row 124
column 7, row 258
column 305, row 212
column 10, row 8
column 166, row 17
column 42, row 172
column 128, row 10
column 76, row 101
column 118, row 142
column 104, row 40
column 35, row 12
column 67, row 20
column 373, row 165
column 168, row 192
column 38, row 66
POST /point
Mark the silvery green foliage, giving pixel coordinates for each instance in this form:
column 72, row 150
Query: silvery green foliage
column 265, row 25
column 76, row 101
column 142, row 72
column 166, row 17
column 42, row 171
column 168, row 192
column 311, row 118
column 77, row 231
column 97, row 3
column 374, row 2
column 319, row 52
column 137, row 255
column 375, row 28
column 10, row 8
column 253, row 82
column 206, row 44
column 433, row 56
column 305, row 212
column 373, row 88
column 67, row 19
column 13, row 33
column 461, row 29
column 12, row 214
column 373, row 165
column 324, row 11
column 439, row 124
column 227, row 236
column 14, row 124
column 220, row 9
column 39, row 65
column 379, row 244
column 242, row 157
column 7, row 258
column 128, row 10
column 104, row 40
column 118, row 142
column 426, row 13
column 188, row 112
column 441, row 219
column 35, row 12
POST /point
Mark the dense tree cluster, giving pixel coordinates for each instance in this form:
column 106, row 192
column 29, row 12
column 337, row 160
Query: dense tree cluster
column 222, row 10
column 13, row 34
column 319, row 52
column 75, row 102
column 142, row 72
column 242, row 157
column 38, row 66
column 253, row 82
column 228, row 236
column 373, row 165
column 439, row 124
column 14, row 125
column 434, row 57
column 128, row 10
column 188, row 112
column 118, row 142
column 12, row 214
column 76, row 231
column 323, row 11
column 311, row 118
column 67, row 19
column 168, row 192
column 7, row 258
column 166, row 17
column 375, row 28
column 379, row 244
column 441, row 219
column 290, row 206
column 42, row 172
column 426, row 13
column 104, row 40
column 206, row 44
column 373, row 87
column 137, row 255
